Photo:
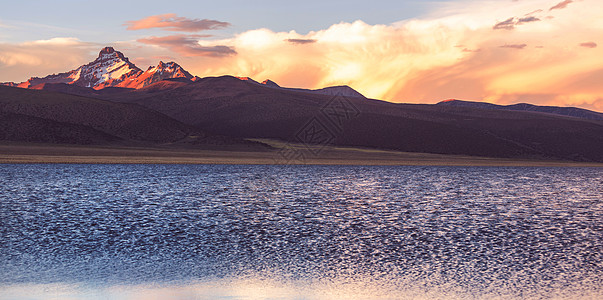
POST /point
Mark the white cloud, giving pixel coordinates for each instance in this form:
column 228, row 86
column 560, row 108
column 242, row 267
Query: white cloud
column 58, row 41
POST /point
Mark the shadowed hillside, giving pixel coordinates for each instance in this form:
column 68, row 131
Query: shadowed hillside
column 555, row 110
column 42, row 116
column 229, row 106
column 23, row 128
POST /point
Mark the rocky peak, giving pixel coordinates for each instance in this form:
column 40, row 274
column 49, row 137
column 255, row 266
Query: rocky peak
column 169, row 66
column 270, row 83
column 108, row 53
column 106, row 50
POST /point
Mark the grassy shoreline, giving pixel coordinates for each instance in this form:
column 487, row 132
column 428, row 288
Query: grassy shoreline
column 21, row 153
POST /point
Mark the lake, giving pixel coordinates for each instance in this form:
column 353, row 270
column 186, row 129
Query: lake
column 299, row 232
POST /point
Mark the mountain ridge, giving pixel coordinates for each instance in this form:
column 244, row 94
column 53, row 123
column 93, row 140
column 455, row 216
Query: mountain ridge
column 555, row 110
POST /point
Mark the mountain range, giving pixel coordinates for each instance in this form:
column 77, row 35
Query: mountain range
column 110, row 69
column 111, row 101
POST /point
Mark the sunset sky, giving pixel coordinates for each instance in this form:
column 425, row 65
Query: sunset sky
column 547, row 52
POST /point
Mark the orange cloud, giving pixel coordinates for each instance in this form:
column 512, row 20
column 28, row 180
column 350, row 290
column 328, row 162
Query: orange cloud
column 173, row 23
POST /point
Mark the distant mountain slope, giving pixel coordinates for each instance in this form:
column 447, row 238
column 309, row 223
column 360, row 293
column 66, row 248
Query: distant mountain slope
column 342, row 90
column 242, row 108
column 42, row 116
column 556, row 110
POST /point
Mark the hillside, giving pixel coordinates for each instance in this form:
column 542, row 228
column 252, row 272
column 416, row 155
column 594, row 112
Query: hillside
column 230, row 106
column 555, row 110
column 42, row 116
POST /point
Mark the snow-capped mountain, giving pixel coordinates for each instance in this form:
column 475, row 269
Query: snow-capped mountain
column 111, row 69
column 155, row 74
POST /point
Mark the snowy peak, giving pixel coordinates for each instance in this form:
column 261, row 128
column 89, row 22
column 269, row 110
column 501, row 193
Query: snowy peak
column 170, row 70
column 108, row 55
column 110, row 68
column 158, row 73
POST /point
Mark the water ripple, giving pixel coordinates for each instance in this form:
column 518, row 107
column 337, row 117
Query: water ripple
column 310, row 232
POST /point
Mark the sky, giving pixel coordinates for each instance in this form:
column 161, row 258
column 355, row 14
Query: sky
column 545, row 52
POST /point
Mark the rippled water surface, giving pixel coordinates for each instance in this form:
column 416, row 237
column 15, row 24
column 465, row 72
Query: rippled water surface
column 299, row 232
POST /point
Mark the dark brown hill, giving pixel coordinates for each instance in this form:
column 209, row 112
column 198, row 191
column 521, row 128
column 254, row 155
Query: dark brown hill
column 26, row 112
column 229, row 106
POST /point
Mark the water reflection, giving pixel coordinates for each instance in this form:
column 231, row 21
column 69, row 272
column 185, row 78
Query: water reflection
column 304, row 232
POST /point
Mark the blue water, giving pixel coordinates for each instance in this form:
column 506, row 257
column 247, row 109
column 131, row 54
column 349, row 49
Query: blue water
column 299, row 232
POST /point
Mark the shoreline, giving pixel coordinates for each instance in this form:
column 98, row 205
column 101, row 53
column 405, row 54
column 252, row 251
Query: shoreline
column 20, row 153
